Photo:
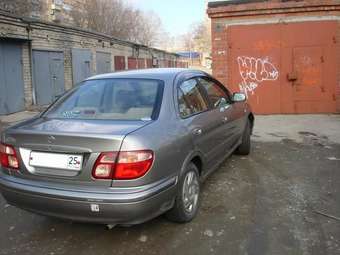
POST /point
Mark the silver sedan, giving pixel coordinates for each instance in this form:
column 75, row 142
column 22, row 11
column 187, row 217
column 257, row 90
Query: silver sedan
column 123, row 148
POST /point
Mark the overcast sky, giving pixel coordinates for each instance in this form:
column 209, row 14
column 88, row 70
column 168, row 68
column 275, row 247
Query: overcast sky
column 176, row 15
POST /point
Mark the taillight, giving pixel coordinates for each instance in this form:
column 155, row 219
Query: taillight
column 128, row 165
column 104, row 166
column 133, row 164
column 8, row 156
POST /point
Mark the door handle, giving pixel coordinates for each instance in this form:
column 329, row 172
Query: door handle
column 197, row 131
column 225, row 119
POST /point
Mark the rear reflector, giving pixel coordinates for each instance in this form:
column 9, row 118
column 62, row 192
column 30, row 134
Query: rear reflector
column 8, row 156
column 129, row 165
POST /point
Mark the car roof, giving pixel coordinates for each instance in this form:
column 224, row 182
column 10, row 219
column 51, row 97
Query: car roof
column 152, row 73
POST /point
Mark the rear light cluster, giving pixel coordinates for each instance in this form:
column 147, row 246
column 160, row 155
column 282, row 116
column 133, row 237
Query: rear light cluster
column 124, row 165
column 8, row 156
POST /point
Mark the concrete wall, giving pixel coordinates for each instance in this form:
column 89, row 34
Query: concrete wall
column 47, row 36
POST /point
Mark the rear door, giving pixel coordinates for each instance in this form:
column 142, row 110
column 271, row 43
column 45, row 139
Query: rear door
column 222, row 107
column 206, row 127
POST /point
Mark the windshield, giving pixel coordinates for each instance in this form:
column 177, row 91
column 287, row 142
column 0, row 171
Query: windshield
column 110, row 99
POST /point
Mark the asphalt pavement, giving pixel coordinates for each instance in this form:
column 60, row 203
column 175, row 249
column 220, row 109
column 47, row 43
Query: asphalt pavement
column 281, row 199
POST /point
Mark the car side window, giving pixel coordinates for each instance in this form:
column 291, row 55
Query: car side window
column 190, row 99
column 217, row 96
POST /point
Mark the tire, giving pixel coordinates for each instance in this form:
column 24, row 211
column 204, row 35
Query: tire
column 244, row 147
column 181, row 212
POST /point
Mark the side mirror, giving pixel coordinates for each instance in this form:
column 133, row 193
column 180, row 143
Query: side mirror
column 239, row 97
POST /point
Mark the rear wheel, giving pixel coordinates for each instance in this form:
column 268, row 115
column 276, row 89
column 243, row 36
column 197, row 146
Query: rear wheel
column 244, row 147
column 187, row 199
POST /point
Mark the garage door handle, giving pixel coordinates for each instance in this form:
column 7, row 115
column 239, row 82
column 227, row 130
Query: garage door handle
column 197, row 131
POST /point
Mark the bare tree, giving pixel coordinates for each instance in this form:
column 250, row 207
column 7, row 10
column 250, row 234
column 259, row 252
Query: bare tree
column 21, row 7
column 198, row 38
column 113, row 17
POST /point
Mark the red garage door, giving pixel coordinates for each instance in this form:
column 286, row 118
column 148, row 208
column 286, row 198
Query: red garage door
column 119, row 63
column 141, row 63
column 149, row 63
column 132, row 63
column 285, row 68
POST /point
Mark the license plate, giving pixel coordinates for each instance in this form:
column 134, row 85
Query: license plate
column 56, row 160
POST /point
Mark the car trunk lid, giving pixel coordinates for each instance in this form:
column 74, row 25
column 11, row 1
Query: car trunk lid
column 46, row 146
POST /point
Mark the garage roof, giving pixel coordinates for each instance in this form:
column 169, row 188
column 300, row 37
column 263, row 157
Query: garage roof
column 232, row 2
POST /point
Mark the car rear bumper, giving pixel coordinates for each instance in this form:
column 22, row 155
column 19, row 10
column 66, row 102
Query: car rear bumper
column 112, row 207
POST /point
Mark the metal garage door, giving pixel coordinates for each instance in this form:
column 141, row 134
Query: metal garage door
column 48, row 71
column 141, row 63
column 119, row 63
column 81, row 64
column 11, row 78
column 103, row 60
column 284, row 68
column 149, row 63
column 132, row 63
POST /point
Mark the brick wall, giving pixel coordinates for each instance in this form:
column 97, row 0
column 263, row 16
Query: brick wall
column 48, row 36
column 219, row 51
column 338, row 67
column 26, row 69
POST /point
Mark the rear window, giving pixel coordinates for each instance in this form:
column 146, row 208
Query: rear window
column 110, row 99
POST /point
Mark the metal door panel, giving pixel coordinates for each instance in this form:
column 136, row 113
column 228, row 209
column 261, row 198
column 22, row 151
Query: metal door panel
column 255, row 65
column 141, row 63
column 42, row 80
column 48, row 71
column 119, row 63
column 12, row 84
column 305, row 65
column 132, row 63
column 103, row 62
column 149, row 63
column 3, row 102
column 81, row 64
column 209, row 141
column 56, row 60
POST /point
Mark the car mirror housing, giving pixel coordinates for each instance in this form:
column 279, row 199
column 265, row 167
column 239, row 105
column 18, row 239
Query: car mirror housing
column 239, row 97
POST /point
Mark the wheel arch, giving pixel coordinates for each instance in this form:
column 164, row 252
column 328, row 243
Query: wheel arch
column 196, row 158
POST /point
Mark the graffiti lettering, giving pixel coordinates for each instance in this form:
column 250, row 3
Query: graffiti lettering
column 253, row 71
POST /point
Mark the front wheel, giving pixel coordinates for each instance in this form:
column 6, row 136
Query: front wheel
column 188, row 196
column 244, row 147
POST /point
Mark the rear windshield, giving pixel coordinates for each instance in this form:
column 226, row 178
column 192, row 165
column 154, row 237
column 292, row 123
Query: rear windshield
column 110, row 99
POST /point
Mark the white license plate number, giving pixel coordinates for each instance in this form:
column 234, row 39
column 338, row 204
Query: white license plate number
column 56, row 160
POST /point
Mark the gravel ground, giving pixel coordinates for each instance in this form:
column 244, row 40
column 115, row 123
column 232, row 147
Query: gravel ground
column 281, row 199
